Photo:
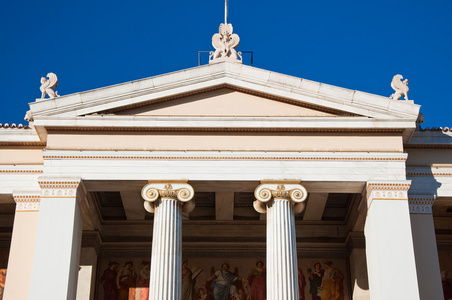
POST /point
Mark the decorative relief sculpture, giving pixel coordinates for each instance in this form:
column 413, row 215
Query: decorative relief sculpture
column 225, row 43
column 400, row 87
column 48, row 86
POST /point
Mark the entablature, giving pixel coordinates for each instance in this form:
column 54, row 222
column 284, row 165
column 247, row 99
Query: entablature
column 336, row 124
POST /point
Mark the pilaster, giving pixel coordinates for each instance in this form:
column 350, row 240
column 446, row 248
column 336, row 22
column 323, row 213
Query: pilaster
column 425, row 249
column 281, row 200
column 58, row 239
column 389, row 243
column 167, row 200
column 22, row 245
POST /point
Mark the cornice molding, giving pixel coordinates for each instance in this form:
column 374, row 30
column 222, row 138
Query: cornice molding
column 342, row 157
column 22, row 171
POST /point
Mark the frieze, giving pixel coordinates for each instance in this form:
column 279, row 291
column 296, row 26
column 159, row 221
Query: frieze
column 28, row 206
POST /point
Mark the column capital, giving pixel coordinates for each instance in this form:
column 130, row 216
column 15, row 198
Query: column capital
column 280, row 189
column 59, row 187
column 173, row 189
column 27, row 200
column 386, row 190
column 421, row 204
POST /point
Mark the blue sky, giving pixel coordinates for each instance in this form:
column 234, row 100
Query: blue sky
column 358, row 45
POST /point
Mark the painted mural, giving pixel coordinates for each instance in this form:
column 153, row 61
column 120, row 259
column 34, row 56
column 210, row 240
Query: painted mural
column 2, row 282
column 213, row 279
column 445, row 264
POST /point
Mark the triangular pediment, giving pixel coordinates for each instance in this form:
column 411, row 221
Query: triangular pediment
column 224, row 89
column 225, row 102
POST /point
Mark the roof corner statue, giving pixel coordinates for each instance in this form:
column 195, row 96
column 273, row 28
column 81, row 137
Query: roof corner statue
column 225, row 43
column 400, row 87
column 48, row 86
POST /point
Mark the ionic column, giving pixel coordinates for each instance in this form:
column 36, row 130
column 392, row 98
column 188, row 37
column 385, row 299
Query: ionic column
column 281, row 200
column 58, row 239
column 389, row 244
column 167, row 200
column 425, row 249
column 22, row 245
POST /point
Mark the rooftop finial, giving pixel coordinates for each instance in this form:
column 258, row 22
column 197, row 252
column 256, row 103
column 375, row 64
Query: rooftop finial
column 225, row 42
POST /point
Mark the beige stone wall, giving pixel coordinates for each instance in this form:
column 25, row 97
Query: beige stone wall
column 21, row 156
column 21, row 255
column 221, row 141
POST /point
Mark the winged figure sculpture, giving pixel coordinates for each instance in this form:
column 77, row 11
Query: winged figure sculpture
column 400, row 87
column 49, row 85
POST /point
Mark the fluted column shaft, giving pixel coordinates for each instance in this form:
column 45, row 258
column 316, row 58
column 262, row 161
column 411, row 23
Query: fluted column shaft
column 280, row 201
column 165, row 282
column 167, row 201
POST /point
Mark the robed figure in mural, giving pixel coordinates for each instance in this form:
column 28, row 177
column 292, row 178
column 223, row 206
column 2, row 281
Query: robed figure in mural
column 109, row 281
column 188, row 286
column 223, row 283
column 301, row 284
column 141, row 291
column 125, row 280
column 332, row 284
column 315, row 280
column 257, row 280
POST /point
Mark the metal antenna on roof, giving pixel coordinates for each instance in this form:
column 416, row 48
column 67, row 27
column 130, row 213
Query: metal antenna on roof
column 225, row 12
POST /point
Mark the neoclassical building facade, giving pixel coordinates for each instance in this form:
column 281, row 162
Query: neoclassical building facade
column 239, row 173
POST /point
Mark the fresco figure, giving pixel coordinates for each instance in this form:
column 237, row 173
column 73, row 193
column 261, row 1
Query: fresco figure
column 241, row 295
column 144, row 274
column 301, row 284
column 332, row 284
column 223, row 283
column 257, row 280
column 125, row 279
column 109, row 281
column 202, row 295
column 447, row 288
column 142, row 285
column 315, row 280
column 188, row 284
